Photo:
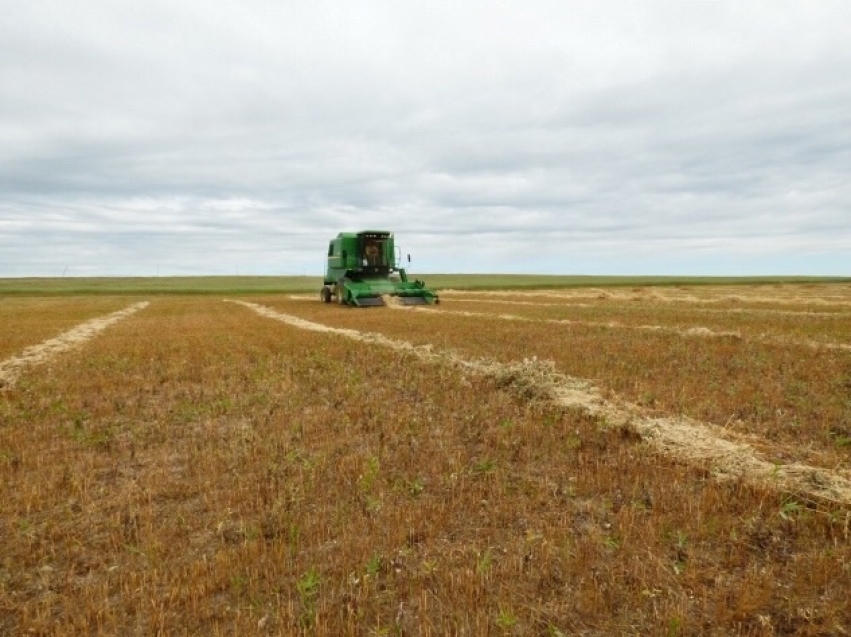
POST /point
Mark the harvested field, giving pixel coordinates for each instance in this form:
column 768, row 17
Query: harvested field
column 276, row 466
column 682, row 327
column 763, row 386
column 679, row 437
column 759, row 296
column 12, row 367
column 28, row 321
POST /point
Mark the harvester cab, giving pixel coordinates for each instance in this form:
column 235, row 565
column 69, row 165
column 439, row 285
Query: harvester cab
column 364, row 268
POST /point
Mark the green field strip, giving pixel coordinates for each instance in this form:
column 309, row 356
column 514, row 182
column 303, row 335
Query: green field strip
column 233, row 285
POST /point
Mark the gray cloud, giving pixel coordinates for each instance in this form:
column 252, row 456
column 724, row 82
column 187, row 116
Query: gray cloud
column 562, row 137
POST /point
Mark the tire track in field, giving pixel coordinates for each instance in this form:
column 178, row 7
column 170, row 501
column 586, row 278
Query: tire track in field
column 675, row 436
column 699, row 332
column 11, row 368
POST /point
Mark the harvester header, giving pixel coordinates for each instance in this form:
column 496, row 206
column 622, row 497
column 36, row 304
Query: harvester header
column 364, row 267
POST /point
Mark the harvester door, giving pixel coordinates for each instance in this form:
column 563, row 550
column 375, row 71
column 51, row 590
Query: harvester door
column 372, row 253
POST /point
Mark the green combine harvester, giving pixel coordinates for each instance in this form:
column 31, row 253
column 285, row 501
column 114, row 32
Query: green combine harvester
column 363, row 269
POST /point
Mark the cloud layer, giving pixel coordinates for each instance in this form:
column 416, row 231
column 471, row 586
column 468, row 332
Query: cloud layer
column 535, row 136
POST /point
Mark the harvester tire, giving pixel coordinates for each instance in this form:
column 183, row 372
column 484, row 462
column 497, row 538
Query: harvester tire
column 341, row 294
column 326, row 294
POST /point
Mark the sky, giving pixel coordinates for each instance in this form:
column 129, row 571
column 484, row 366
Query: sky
column 179, row 137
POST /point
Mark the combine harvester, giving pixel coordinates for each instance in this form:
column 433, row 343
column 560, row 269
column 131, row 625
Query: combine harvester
column 363, row 269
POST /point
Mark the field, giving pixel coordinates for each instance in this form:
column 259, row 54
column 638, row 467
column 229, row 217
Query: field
column 588, row 460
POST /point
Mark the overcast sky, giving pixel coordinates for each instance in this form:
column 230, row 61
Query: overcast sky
column 595, row 137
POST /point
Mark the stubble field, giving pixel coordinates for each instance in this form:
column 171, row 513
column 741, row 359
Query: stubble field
column 643, row 461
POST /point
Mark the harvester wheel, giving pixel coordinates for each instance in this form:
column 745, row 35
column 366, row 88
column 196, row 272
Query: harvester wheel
column 341, row 294
column 326, row 294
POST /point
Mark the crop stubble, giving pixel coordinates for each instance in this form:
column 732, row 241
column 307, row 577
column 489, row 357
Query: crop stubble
column 198, row 469
column 787, row 397
column 12, row 367
column 26, row 321
column 677, row 436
